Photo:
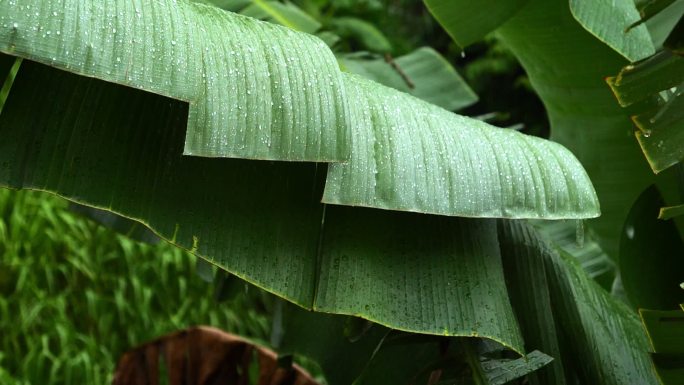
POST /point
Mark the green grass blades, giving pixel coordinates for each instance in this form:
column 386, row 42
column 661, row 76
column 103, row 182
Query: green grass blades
column 74, row 295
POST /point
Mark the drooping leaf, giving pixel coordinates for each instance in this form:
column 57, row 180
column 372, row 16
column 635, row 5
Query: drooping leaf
column 597, row 328
column 467, row 21
column 383, row 264
column 564, row 235
column 609, row 21
column 423, row 73
column 119, row 149
column 286, row 14
column 204, row 355
column 412, row 156
column 256, row 90
column 266, row 230
column 566, row 66
column 362, row 31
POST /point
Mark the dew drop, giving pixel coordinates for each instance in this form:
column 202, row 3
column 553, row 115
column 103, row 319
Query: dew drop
column 630, row 232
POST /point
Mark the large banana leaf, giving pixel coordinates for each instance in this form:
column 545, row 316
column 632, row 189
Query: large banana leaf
column 602, row 341
column 256, row 90
column 118, row 148
column 409, row 155
column 307, row 92
column 531, row 298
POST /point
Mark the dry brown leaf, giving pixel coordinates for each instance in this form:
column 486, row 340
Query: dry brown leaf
column 204, row 355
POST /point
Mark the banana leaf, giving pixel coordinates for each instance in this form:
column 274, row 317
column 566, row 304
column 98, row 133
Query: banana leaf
column 601, row 340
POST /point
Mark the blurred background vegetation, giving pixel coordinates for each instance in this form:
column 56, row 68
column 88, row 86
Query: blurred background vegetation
column 74, row 295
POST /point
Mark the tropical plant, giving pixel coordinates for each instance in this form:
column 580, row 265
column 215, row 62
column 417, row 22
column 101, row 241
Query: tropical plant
column 109, row 95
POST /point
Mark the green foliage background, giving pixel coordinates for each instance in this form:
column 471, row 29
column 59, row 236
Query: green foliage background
column 75, row 295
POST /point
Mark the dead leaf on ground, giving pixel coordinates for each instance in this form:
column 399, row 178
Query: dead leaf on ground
column 204, row 355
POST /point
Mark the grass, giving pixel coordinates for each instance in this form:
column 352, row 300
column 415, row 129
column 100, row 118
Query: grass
column 74, row 295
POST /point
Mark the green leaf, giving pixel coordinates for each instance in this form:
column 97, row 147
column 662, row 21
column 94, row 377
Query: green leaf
column 118, row 148
column 671, row 212
column 610, row 21
column 468, row 21
column 364, row 32
column 286, row 14
column 566, row 66
column 412, row 156
column 596, row 329
column 379, row 264
column 237, row 73
column 651, row 256
column 423, row 73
